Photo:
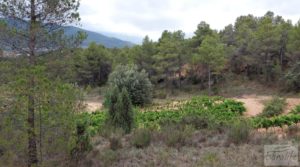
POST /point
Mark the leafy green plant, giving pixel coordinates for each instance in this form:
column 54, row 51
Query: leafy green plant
column 296, row 110
column 231, row 106
column 262, row 122
column 200, row 112
column 274, row 107
column 141, row 138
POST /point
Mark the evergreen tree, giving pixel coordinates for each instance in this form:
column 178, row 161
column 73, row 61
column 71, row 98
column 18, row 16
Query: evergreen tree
column 40, row 21
column 211, row 53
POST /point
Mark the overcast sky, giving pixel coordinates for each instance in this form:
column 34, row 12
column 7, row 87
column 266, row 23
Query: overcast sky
column 151, row 17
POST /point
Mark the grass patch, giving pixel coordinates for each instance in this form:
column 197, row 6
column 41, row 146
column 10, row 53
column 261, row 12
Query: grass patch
column 141, row 138
column 239, row 131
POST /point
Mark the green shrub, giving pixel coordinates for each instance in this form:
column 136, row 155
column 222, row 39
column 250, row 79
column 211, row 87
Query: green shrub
column 296, row 110
column 274, row 107
column 239, row 131
column 120, row 112
column 83, row 144
column 230, row 105
column 261, row 122
column 141, row 138
column 198, row 121
column 136, row 83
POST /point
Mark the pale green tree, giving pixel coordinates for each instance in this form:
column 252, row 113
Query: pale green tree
column 211, row 53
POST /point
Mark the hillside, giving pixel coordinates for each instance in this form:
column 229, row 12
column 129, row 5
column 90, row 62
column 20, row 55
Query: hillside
column 108, row 42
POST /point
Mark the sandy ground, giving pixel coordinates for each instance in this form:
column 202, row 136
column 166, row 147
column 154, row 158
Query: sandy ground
column 254, row 104
column 93, row 103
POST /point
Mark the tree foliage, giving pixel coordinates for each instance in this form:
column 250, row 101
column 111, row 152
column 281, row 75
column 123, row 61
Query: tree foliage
column 135, row 82
column 120, row 111
column 93, row 65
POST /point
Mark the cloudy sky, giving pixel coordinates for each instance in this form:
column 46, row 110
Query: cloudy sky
column 137, row 18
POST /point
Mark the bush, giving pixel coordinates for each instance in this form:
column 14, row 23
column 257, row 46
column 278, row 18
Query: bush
column 274, row 107
column 141, row 138
column 136, row 83
column 120, row 112
column 262, row 122
column 83, row 144
column 230, row 105
column 199, row 122
column 239, row 131
column 296, row 110
column 176, row 135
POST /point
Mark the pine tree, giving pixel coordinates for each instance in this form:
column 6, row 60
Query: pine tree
column 120, row 113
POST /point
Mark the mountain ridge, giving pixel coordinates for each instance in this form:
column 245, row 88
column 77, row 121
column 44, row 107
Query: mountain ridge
column 98, row 38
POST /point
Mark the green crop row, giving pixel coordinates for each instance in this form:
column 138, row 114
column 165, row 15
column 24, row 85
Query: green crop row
column 278, row 121
column 218, row 109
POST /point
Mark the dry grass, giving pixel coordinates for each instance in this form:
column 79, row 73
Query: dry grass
column 205, row 148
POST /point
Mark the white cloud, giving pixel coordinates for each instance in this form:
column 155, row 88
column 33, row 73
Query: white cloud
column 151, row 17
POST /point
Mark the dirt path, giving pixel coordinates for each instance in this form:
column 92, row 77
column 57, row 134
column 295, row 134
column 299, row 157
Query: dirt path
column 254, row 104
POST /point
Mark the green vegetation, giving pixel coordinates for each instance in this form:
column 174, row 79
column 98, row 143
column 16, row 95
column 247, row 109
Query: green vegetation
column 141, row 138
column 176, row 135
column 239, row 131
column 42, row 86
column 217, row 111
column 277, row 121
column 296, row 110
column 120, row 113
column 274, row 107
column 93, row 65
column 136, row 83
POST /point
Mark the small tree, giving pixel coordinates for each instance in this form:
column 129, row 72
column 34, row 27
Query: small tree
column 120, row 113
column 211, row 53
column 136, row 83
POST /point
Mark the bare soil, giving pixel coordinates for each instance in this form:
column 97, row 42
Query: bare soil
column 255, row 103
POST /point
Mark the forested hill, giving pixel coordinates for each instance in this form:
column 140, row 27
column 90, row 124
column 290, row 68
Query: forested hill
column 106, row 41
column 98, row 38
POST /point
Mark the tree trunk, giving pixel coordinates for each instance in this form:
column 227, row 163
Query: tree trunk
column 209, row 81
column 180, row 75
column 32, row 148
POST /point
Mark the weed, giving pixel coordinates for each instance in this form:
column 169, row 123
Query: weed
column 274, row 107
column 141, row 138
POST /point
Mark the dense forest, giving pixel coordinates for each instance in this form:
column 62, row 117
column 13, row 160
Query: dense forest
column 46, row 76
